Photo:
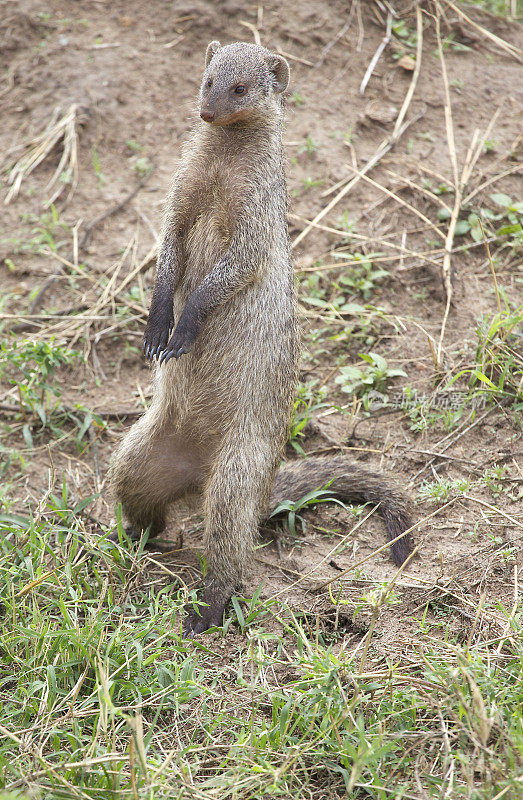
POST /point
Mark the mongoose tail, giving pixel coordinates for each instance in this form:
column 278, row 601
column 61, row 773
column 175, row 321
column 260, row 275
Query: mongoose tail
column 350, row 483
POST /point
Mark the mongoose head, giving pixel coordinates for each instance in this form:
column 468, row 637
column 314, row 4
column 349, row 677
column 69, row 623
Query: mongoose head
column 242, row 83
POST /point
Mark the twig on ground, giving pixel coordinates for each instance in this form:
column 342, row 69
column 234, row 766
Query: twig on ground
column 384, row 148
column 343, row 30
column 377, row 55
column 399, row 200
column 254, row 30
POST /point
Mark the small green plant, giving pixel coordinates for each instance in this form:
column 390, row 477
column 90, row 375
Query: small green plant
column 440, row 410
column 297, row 99
column 44, row 235
column 309, row 147
column 35, row 364
column 513, row 213
column 96, row 164
column 407, row 36
column 422, row 417
column 451, row 42
column 483, row 220
column 493, row 478
column 142, row 166
column 441, row 188
column 134, row 146
column 249, row 610
column 443, row 489
column 311, row 183
column 490, row 145
column 360, row 380
column 30, row 367
column 363, row 276
column 344, row 223
column 498, row 371
column 457, row 84
column 312, row 498
column 308, row 400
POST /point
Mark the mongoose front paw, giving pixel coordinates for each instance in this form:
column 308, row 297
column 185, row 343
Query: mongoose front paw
column 182, row 341
column 157, row 331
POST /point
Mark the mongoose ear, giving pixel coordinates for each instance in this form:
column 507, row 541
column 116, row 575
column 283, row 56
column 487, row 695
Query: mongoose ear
column 280, row 69
column 212, row 49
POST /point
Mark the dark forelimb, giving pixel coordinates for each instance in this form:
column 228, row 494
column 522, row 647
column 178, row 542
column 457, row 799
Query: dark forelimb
column 161, row 318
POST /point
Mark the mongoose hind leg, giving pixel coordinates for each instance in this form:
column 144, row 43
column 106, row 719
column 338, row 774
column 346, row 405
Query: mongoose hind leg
column 234, row 495
column 153, row 467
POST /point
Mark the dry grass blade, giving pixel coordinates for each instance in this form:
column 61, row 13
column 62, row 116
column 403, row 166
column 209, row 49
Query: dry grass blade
column 254, row 30
column 399, row 129
column 460, row 184
column 60, row 127
column 399, row 200
column 383, row 44
column 384, row 148
column 511, row 49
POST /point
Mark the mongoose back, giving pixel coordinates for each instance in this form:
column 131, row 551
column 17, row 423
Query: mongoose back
column 223, row 330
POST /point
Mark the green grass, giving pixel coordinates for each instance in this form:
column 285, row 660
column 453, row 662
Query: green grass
column 30, row 367
column 501, row 8
column 101, row 697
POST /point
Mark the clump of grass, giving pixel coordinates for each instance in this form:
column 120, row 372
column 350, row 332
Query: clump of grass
column 309, row 399
column 498, row 369
column 442, row 489
column 374, row 377
column 30, row 367
column 101, row 696
column 44, row 235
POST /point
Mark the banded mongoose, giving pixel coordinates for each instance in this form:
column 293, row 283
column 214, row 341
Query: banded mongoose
column 225, row 376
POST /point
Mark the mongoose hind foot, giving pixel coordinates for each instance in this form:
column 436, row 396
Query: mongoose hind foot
column 212, row 602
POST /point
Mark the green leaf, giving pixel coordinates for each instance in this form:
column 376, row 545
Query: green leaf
column 238, row 611
column 476, row 233
column 506, row 229
column 443, row 214
column 395, row 373
column 501, row 199
column 352, row 308
column 483, row 378
column 284, row 715
column 379, row 361
column 40, row 410
column 349, row 373
column 85, row 426
column 315, row 301
column 462, row 227
column 28, row 437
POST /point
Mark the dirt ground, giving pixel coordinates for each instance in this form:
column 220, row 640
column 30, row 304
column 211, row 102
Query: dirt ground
column 132, row 70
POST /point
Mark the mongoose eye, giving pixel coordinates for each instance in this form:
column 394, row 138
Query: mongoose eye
column 240, row 89
column 209, row 82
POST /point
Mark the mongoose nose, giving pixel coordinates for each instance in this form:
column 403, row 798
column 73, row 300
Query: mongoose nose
column 207, row 116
